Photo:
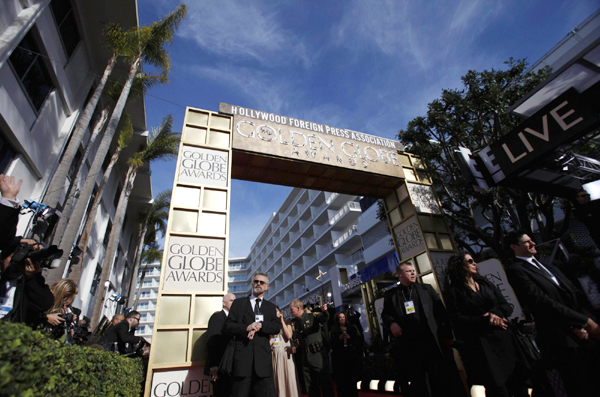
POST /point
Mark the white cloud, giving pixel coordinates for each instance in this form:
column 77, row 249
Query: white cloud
column 269, row 91
column 421, row 34
column 242, row 30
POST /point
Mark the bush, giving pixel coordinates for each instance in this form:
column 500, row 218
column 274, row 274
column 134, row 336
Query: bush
column 31, row 364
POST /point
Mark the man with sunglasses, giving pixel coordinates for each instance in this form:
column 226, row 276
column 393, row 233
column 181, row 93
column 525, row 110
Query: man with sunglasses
column 123, row 333
column 251, row 321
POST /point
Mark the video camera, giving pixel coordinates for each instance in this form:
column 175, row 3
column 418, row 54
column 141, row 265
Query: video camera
column 25, row 251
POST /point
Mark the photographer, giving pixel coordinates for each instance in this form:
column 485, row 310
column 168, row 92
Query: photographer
column 62, row 318
column 123, row 334
column 24, row 295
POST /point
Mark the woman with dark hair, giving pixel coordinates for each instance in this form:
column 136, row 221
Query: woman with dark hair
column 346, row 354
column 479, row 315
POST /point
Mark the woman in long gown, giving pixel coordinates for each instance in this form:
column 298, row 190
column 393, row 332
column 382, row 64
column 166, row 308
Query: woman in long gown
column 479, row 314
column 284, row 370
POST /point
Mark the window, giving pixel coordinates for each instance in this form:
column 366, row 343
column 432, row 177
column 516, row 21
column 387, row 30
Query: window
column 6, row 155
column 66, row 23
column 118, row 194
column 106, row 162
column 31, row 70
column 96, row 280
column 107, row 234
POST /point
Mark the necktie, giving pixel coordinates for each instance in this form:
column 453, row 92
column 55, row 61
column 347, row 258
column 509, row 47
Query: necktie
column 257, row 306
column 542, row 267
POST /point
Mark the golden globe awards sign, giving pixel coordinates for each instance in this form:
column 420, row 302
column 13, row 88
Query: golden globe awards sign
column 188, row 382
column 409, row 238
column 288, row 137
column 194, row 263
column 202, row 166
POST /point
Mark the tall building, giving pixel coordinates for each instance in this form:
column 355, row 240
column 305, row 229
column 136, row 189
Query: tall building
column 148, row 292
column 51, row 57
column 309, row 248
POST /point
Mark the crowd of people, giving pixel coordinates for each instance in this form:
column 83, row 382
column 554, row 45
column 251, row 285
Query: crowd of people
column 26, row 298
column 275, row 356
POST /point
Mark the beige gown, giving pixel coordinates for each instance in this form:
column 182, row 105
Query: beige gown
column 284, row 370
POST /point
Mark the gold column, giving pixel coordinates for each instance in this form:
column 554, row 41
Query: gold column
column 419, row 230
column 194, row 268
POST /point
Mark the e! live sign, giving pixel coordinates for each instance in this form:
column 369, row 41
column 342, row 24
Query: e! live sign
column 561, row 121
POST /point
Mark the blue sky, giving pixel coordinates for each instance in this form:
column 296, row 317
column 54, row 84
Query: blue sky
column 366, row 65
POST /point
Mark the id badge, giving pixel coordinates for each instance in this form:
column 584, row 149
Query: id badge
column 259, row 317
column 276, row 341
column 409, row 306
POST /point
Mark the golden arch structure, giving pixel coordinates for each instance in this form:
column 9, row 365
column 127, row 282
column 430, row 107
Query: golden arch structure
column 252, row 145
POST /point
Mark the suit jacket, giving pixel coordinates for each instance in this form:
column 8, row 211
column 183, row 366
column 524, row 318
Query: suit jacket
column 434, row 314
column 120, row 333
column 556, row 309
column 216, row 342
column 257, row 350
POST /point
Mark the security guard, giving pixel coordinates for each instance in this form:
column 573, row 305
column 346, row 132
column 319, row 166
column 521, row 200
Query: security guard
column 308, row 331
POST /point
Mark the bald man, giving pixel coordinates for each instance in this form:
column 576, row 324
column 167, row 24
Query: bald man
column 216, row 344
column 117, row 318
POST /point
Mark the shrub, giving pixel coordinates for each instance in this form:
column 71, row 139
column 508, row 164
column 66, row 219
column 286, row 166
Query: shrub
column 31, row 364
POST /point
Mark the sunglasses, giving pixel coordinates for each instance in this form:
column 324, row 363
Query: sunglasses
column 259, row 282
column 470, row 261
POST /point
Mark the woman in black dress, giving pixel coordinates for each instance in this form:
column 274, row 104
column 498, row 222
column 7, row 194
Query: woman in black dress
column 479, row 315
column 346, row 355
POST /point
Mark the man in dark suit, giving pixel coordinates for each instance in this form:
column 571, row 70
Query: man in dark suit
column 416, row 317
column 215, row 345
column 251, row 321
column 563, row 323
column 123, row 333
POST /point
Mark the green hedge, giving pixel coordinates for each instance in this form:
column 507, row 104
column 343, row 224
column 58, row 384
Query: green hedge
column 31, row 364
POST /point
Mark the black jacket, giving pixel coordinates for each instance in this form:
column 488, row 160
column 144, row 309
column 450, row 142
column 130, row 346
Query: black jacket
column 255, row 353
column 556, row 309
column 121, row 334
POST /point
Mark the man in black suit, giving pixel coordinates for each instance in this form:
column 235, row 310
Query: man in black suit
column 417, row 318
column 251, row 321
column 123, row 333
column 215, row 345
column 563, row 324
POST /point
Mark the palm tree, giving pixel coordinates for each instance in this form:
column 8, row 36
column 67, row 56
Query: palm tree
column 148, row 44
column 118, row 42
column 151, row 255
column 151, row 221
column 125, row 134
column 162, row 144
column 141, row 83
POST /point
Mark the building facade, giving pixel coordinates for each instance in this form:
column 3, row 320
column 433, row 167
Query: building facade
column 148, row 292
column 51, row 57
column 309, row 248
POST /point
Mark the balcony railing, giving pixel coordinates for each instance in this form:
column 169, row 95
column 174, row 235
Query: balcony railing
column 345, row 236
column 346, row 208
